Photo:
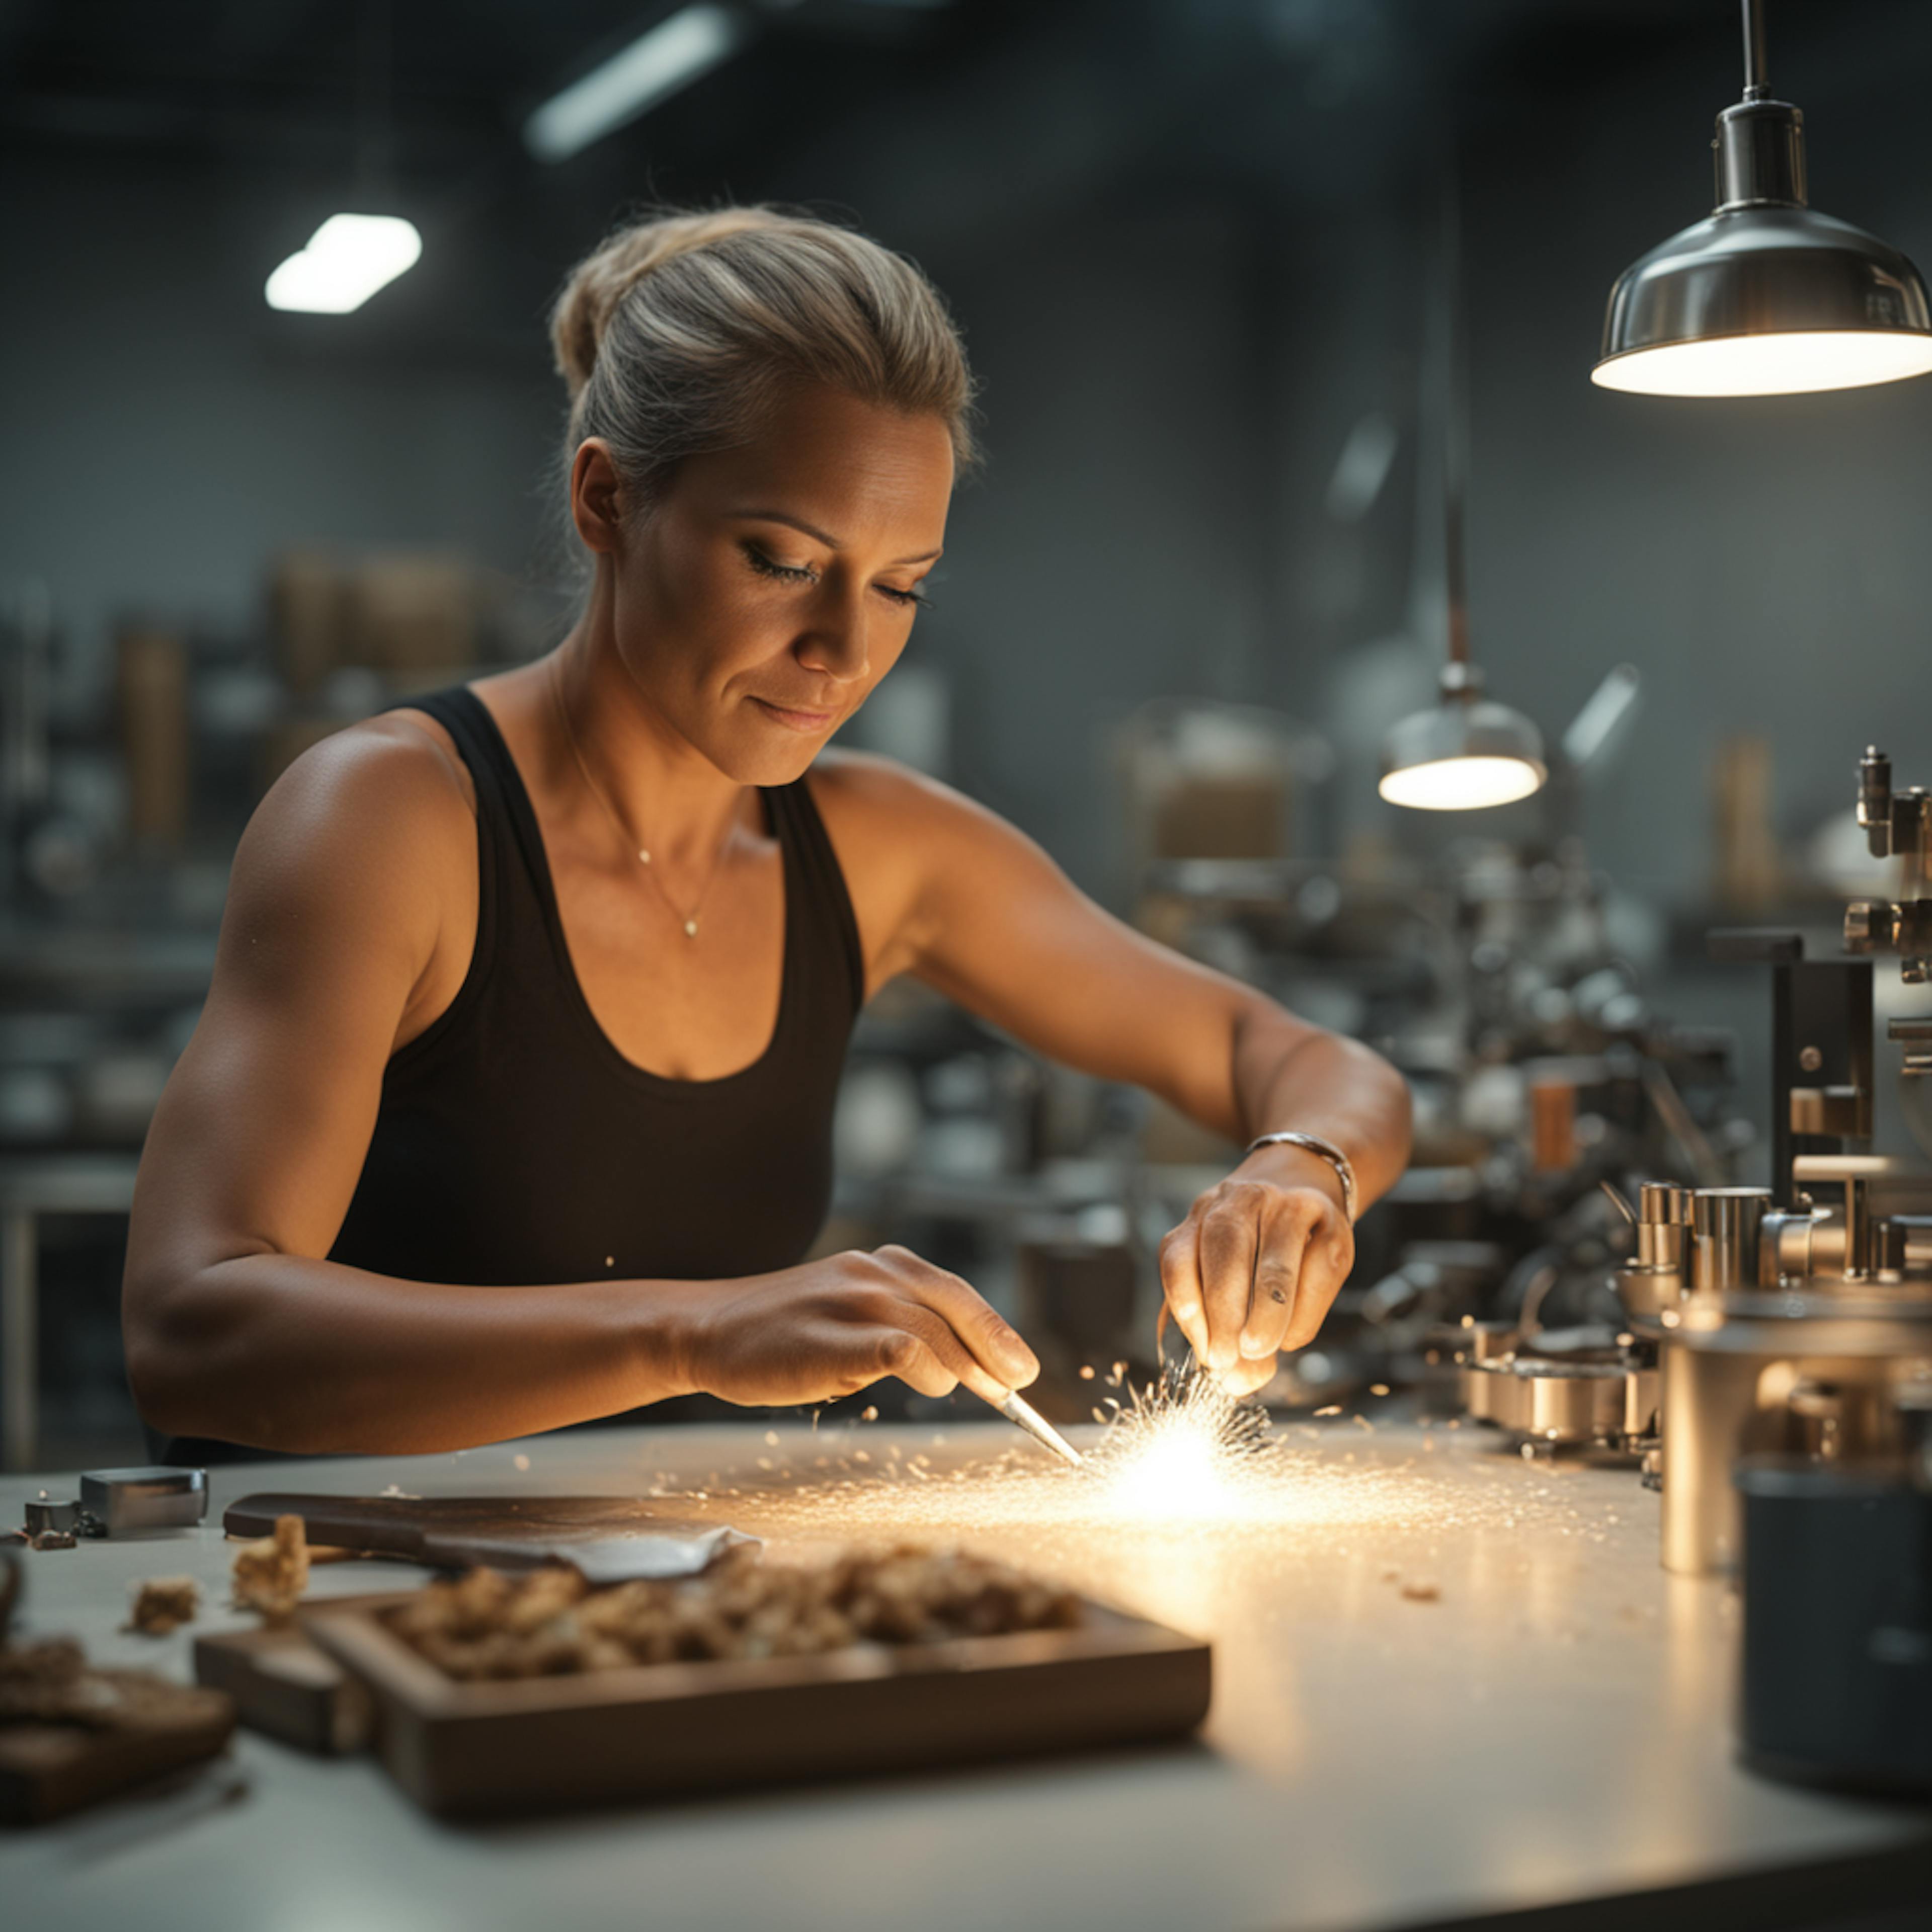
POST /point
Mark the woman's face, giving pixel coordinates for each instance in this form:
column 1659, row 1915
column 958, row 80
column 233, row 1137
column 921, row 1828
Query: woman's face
column 774, row 585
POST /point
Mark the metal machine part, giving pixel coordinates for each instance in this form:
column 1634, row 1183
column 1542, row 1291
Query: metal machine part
column 1897, row 824
column 46, row 1516
column 1591, row 1398
column 1821, row 1078
column 1785, row 1320
column 1725, row 1225
column 128, row 1502
column 1816, row 1373
column 1836, row 1586
column 123, row 1502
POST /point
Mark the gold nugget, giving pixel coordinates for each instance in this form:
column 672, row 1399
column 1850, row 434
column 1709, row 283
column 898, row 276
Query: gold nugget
column 550, row 1622
column 270, row 1575
column 163, row 1603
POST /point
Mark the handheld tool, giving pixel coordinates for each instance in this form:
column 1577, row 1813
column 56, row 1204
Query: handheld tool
column 1016, row 1409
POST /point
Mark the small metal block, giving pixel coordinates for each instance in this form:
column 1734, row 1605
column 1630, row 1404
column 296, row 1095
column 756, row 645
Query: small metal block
column 121, row 1502
column 44, row 1516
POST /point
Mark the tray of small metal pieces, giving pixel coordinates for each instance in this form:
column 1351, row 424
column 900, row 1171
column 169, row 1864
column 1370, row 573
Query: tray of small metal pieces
column 498, row 1695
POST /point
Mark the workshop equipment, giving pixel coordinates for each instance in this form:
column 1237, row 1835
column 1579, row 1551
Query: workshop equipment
column 1806, row 1325
column 611, row 1539
column 1791, row 1320
column 1805, row 1312
column 1897, row 825
column 1595, row 1387
column 1837, row 1577
column 129, row 1502
column 123, row 1502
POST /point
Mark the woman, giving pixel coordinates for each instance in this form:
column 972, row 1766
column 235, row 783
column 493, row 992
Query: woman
column 510, row 1104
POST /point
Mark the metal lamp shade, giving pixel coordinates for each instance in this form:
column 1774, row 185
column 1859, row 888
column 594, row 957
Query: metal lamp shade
column 1765, row 296
column 1767, row 300
column 1462, row 755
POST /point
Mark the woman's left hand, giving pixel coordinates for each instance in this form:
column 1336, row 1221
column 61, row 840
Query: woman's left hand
column 1253, row 1268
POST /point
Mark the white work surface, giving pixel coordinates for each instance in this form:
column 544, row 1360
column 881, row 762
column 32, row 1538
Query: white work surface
column 1546, row 1719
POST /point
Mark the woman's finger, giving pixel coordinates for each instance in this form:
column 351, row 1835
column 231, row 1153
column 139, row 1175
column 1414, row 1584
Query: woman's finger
column 1245, row 1377
column 1180, row 1283
column 1230, row 1233
column 992, row 1345
column 1325, row 1266
column 918, row 1360
column 1279, row 1266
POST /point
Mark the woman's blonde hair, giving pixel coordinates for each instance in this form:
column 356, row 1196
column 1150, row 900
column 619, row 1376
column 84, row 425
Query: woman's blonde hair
column 681, row 329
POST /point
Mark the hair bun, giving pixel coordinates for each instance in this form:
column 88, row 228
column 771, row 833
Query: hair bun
column 601, row 281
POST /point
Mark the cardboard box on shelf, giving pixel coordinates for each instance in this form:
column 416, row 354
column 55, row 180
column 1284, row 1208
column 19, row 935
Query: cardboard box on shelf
column 409, row 612
column 1235, row 815
column 305, row 604
column 152, row 689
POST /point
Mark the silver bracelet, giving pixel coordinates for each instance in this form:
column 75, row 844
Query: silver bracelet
column 1329, row 1152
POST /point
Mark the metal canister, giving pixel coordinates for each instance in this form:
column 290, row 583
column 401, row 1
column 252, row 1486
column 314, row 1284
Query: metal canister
column 1724, row 1226
column 1838, row 1624
column 1662, row 1214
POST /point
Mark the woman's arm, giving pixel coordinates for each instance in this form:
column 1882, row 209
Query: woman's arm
column 350, row 917
column 947, row 890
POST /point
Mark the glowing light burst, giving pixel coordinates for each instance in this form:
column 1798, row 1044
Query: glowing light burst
column 1179, row 1461
column 1185, row 1450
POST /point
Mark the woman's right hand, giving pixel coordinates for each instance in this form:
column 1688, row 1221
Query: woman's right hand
column 831, row 1327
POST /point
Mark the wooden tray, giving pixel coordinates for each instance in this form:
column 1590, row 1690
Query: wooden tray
column 285, row 1687
column 541, row 1743
column 49, row 1770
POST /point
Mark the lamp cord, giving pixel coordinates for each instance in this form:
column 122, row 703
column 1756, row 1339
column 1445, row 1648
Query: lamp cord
column 1757, row 64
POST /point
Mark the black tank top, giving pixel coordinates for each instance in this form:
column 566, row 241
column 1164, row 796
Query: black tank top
column 515, row 1144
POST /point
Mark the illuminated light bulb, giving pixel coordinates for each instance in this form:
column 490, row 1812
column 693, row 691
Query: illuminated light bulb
column 347, row 259
column 1461, row 784
column 1792, row 363
column 1464, row 754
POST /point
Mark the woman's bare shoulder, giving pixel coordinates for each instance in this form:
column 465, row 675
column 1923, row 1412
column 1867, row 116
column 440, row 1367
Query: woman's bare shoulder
column 877, row 798
column 888, row 818
column 389, row 796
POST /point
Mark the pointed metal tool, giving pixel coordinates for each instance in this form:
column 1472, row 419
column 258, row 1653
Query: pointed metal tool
column 1016, row 1409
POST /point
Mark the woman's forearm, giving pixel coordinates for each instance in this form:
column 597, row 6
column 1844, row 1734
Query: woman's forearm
column 1320, row 1083
column 284, row 1352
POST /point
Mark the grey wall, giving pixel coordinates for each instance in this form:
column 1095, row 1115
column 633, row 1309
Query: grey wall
column 165, row 432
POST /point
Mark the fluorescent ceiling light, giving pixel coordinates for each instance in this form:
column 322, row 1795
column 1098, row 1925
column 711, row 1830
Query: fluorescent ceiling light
column 347, row 259
column 676, row 51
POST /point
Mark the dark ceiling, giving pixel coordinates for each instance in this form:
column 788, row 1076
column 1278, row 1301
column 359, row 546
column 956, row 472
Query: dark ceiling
column 895, row 103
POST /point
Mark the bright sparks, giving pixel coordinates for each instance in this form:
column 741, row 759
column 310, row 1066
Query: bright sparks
column 1183, row 1451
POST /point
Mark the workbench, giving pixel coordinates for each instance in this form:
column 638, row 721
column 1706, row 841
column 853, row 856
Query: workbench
column 1460, row 1686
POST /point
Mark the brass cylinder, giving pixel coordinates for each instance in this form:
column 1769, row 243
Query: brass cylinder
column 1724, row 1226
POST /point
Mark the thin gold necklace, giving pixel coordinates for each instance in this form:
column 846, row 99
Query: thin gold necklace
column 688, row 920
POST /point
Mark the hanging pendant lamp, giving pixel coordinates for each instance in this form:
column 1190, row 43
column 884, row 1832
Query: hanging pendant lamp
column 1466, row 751
column 1765, row 296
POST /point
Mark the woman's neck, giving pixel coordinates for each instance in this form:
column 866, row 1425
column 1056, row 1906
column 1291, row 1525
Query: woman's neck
column 667, row 796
